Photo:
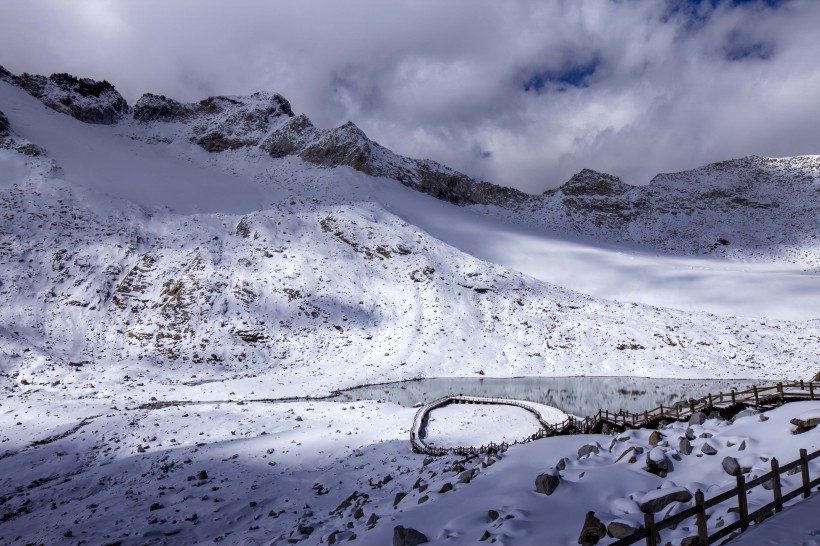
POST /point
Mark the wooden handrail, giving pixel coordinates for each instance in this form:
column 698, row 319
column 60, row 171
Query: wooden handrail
column 651, row 527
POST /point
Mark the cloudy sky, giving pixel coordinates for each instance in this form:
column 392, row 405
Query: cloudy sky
column 523, row 93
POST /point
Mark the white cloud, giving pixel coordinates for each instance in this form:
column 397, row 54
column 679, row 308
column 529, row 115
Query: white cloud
column 446, row 79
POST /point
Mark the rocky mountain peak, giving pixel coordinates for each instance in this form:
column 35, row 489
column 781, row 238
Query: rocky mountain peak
column 593, row 183
column 4, row 125
column 85, row 99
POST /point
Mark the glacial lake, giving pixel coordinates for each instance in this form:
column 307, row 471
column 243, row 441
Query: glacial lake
column 579, row 396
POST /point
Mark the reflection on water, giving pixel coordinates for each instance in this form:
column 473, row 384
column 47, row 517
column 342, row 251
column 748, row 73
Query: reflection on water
column 576, row 395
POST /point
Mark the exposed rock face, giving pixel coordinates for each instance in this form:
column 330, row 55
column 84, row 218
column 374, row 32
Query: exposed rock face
column 406, row 536
column 84, row 99
column 587, row 450
column 5, row 129
column 220, row 123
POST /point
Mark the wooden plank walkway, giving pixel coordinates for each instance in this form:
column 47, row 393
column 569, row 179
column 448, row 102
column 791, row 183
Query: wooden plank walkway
column 724, row 403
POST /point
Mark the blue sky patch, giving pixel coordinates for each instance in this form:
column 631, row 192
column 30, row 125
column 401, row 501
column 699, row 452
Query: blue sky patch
column 573, row 76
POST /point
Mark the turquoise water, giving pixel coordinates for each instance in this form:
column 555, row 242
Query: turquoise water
column 575, row 395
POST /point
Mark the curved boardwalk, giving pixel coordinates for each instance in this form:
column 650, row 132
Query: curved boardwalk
column 725, row 404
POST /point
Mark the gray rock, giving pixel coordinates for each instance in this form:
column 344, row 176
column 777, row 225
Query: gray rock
column 697, row 418
column 690, row 434
column 684, row 446
column 466, row 476
column 406, row 536
column 587, row 449
column 562, row 464
column 446, row 487
column 493, row 515
column 621, row 529
column 658, row 467
column 690, row 541
column 742, row 446
column 706, row 435
column 655, row 438
column 731, row 466
column 656, row 504
column 708, row 449
column 546, row 483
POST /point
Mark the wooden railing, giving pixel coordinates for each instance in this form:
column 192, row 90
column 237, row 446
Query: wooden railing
column 650, row 532
column 724, row 403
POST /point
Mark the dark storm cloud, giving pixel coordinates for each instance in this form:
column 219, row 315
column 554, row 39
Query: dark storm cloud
column 523, row 93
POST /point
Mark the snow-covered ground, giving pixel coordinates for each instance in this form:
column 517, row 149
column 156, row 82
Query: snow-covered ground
column 465, row 425
column 136, row 268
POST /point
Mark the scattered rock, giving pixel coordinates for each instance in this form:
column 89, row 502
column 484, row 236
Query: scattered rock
column 485, row 536
column 446, row 487
column 466, row 476
column 657, row 500
column 423, row 499
column 621, row 529
column 731, row 466
column 708, row 449
column 406, row 536
column 684, row 446
column 203, row 475
column 546, row 483
column 493, row 515
column 690, row 434
column 562, row 464
column 742, row 446
column 655, row 438
column 657, row 463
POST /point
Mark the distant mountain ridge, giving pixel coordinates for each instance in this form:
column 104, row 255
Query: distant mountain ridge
column 749, row 209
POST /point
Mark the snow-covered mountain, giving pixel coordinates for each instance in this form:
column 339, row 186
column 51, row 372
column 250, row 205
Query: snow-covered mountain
column 230, row 250
column 214, row 234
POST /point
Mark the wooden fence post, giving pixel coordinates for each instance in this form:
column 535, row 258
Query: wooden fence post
column 742, row 504
column 811, row 390
column 651, row 534
column 776, row 491
column 692, row 405
column 710, row 400
column 780, row 391
column 703, row 533
column 757, row 398
column 804, row 468
column 733, row 397
column 801, row 384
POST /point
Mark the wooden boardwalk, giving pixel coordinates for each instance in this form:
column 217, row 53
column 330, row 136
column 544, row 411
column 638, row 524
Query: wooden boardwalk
column 726, row 404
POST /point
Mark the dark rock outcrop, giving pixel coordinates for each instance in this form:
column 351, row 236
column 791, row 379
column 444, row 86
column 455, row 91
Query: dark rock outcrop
column 87, row 100
column 406, row 536
column 5, row 127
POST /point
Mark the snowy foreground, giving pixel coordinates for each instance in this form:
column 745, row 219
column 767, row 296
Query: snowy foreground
column 273, row 472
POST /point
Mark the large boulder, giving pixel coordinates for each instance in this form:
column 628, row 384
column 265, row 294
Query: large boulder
column 684, row 445
column 406, row 536
column 546, row 483
column 657, row 500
